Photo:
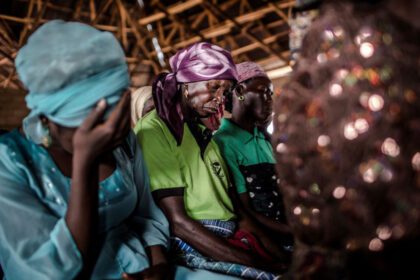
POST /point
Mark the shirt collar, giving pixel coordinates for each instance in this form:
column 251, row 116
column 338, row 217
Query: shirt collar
column 241, row 133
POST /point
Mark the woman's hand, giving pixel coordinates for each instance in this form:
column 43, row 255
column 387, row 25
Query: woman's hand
column 269, row 244
column 95, row 136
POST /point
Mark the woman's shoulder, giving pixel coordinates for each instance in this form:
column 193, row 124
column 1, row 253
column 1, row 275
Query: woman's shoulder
column 149, row 123
column 152, row 128
column 150, row 119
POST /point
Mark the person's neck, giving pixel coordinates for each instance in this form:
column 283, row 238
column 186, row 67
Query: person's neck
column 62, row 159
column 241, row 120
column 59, row 151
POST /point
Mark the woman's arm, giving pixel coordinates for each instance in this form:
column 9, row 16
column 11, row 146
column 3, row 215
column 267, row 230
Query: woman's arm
column 82, row 212
column 199, row 237
column 91, row 141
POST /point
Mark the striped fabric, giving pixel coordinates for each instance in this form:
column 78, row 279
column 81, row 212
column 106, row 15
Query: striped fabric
column 186, row 255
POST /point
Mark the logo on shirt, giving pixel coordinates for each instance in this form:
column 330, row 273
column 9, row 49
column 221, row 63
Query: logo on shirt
column 217, row 169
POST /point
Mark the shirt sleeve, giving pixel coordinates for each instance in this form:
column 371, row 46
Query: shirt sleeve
column 34, row 244
column 231, row 159
column 160, row 157
column 148, row 219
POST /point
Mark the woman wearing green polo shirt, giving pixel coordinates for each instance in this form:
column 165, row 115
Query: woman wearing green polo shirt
column 247, row 150
column 188, row 176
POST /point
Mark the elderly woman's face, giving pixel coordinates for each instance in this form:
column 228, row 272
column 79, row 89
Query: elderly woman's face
column 207, row 100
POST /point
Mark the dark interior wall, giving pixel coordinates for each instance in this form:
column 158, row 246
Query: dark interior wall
column 12, row 108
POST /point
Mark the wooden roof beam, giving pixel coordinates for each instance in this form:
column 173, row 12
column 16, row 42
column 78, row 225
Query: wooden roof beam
column 27, row 25
column 276, row 23
column 9, row 79
column 252, row 16
column 138, row 60
column 123, row 24
column 258, row 14
column 255, row 45
column 171, row 34
column 77, row 9
column 102, row 10
column 278, row 10
column 32, row 24
column 197, row 19
column 92, row 9
column 235, row 45
column 174, row 9
column 226, row 27
column 196, row 22
column 208, row 34
column 60, row 8
column 6, row 60
column 180, row 21
column 7, row 33
column 213, row 8
column 272, row 61
column 235, row 52
column 5, row 39
column 23, row 20
column 139, row 33
column 261, row 24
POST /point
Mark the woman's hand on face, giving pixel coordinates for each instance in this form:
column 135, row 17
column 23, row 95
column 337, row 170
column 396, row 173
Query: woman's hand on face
column 94, row 137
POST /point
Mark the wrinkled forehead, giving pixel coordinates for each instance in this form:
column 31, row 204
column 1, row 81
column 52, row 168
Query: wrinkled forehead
column 212, row 83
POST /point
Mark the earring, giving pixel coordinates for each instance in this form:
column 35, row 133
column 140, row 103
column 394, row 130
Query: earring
column 186, row 93
column 46, row 139
column 241, row 98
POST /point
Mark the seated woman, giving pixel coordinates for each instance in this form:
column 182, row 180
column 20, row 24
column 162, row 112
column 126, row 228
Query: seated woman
column 188, row 176
column 79, row 205
column 246, row 149
column 141, row 103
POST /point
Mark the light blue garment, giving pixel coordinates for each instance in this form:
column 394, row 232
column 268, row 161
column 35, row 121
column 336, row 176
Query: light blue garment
column 67, row 68
column 35, row 242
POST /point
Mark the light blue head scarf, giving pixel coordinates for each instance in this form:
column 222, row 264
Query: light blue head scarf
column 67, row 68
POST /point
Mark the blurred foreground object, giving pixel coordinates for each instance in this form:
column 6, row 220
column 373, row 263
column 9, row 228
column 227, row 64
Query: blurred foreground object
column 347, row 134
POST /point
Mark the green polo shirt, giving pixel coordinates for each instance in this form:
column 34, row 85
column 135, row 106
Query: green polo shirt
column 181, row 170
column 239, row 147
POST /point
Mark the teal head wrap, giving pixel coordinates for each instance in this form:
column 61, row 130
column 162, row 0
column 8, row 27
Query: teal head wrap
column 67, row 68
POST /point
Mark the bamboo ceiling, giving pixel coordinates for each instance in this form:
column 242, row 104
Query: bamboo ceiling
column 150, row 31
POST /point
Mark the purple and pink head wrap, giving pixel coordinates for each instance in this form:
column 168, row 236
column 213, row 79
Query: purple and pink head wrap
column 198, row 62
column 247, row 70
